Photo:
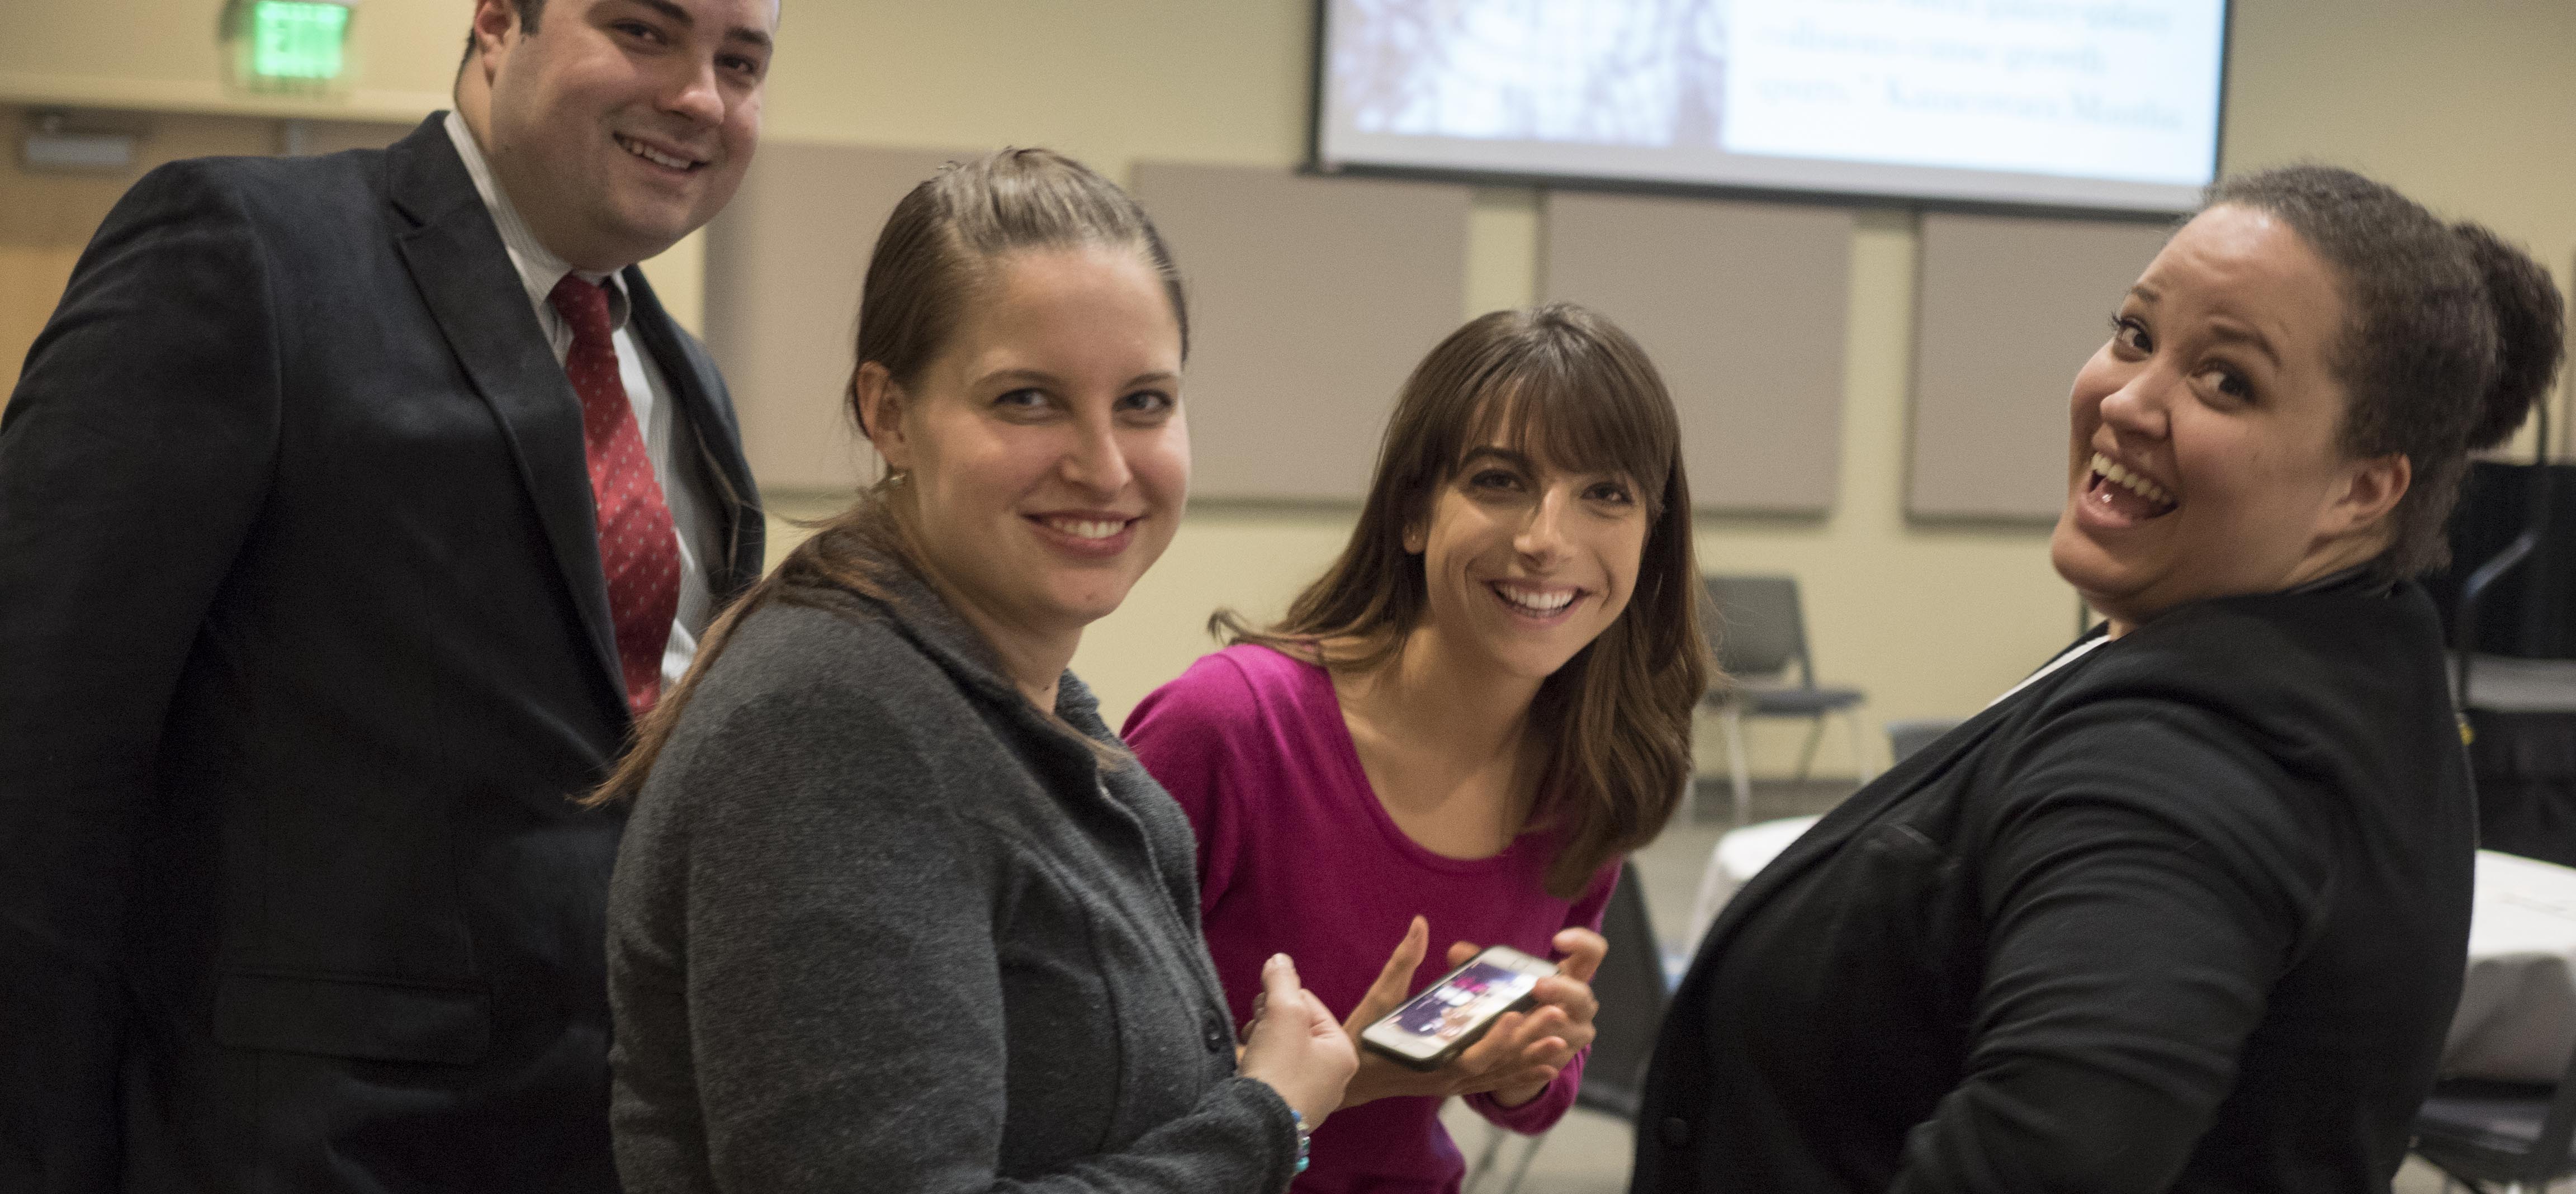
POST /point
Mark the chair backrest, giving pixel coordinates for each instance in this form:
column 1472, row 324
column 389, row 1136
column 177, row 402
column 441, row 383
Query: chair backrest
column 1758, row 627
column 1630, row 987
column 1907, row 736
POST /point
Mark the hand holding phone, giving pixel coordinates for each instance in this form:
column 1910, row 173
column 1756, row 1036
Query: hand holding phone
column 1520, row 1052
column 1434, row 1027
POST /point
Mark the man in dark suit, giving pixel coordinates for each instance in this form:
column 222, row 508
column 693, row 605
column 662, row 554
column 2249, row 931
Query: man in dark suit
column 350, row 510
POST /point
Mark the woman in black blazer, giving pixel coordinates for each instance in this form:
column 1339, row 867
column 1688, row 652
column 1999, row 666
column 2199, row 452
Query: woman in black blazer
column 2185, row 910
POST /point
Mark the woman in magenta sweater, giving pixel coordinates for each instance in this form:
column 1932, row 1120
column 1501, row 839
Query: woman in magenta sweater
column 1460, row 729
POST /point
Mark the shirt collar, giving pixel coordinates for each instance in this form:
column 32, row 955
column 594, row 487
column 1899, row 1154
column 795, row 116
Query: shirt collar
column 539, row 269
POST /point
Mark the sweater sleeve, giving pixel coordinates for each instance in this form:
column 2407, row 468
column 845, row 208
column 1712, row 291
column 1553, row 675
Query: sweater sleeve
column 1186, row 735
column 1538, row 1115
column 842, row 1027
column 2145, row 882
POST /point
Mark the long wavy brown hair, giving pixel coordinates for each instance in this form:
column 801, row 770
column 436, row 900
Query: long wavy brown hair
column 938, row 250
column 1611, row 730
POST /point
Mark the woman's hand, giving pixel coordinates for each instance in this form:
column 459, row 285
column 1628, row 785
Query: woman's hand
column 1516, row 1059
column 1567, row 992
column 1295, row 1046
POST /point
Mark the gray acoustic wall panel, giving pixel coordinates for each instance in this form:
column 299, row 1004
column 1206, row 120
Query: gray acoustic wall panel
column 1743, row 307
column 784, row 263
column 2008, row 309
column 1311, row 299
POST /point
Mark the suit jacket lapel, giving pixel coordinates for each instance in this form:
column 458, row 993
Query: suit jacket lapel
column 710, row 441
column 464, row 274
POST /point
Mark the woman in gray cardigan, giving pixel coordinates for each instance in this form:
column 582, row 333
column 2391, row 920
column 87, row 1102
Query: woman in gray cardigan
column 895, row 910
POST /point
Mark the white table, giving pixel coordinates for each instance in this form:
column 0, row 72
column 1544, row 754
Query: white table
column 2517, row 1017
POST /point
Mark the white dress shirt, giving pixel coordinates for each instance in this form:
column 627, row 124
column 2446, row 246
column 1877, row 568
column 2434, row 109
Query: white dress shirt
column 646, row 391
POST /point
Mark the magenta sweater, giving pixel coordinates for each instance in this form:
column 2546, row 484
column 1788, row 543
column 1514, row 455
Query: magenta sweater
column 1296, row 856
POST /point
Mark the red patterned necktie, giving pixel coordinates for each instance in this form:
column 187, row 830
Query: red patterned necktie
column 637, row 548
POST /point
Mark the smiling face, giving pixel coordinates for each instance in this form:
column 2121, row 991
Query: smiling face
column 1525, row 564
column 619, row 126
column 1044, row 456
column 2204, row 458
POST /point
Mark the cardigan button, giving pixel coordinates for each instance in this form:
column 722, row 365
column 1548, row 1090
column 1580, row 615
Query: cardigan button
column 1675, row 1130
column 1213, row 1035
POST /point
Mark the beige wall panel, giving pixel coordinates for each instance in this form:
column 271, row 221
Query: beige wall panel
column 783, row 266
column 1743, row 307
column 1310, row 300
column 2009, row 308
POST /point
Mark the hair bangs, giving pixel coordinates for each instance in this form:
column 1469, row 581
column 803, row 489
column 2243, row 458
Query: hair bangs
column 1575, row 412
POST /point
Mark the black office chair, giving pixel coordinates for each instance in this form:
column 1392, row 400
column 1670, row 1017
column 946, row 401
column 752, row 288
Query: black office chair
column 2511, row 1135
column 2511, row 605
column 1761, row 635
column 1631, row 989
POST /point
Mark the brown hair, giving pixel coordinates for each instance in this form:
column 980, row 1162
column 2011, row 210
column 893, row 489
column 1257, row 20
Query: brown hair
column 2450, row 335
column 1612, row 728
column 937, row 253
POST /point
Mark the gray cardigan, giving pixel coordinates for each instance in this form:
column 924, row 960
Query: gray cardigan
column 877, row 925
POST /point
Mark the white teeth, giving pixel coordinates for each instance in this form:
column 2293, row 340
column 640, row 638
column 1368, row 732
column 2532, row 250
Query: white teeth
column 1086, row 529
column 2111, row 471
column 1537, row 603
column 658, row 158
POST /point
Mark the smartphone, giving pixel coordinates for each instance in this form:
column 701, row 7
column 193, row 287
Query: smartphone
column 1438, row 1024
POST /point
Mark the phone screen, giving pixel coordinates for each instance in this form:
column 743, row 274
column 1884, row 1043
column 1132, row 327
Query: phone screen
column 1428, row 1022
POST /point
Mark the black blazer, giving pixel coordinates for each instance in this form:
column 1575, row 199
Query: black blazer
column 304, row 647
column 2189, row 913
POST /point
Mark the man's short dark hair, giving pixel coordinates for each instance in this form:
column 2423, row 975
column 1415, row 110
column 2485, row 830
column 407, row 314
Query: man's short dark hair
column 528, row 10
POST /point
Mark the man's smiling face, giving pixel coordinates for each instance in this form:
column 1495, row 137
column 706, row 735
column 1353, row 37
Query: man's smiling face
column 619, row 126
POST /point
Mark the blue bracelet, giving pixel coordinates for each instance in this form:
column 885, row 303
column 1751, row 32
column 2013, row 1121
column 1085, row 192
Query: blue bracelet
column 1305, row 1141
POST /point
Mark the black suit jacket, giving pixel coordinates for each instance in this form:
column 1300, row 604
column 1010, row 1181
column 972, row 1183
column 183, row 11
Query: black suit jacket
column 304, row 646
column 2188, row 914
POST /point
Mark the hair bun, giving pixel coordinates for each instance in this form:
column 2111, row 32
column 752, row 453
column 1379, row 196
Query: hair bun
column 2530, row 321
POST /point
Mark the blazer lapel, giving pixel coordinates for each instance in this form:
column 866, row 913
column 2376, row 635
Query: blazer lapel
column 711, row 436
column 464, row 274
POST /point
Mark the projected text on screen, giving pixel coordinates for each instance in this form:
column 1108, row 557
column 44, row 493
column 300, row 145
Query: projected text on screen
column 2104, row 90
column 2094, row 102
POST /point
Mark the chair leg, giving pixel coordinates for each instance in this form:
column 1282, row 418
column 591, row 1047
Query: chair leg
column 1735, row 766
column 1861, row 760
column 1807, row 757
column 1522, row 1170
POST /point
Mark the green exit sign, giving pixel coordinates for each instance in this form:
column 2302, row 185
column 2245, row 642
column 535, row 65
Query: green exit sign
column 287, row 45
column 294, row 39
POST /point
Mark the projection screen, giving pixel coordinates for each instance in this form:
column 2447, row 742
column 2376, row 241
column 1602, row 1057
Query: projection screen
column 2109, row 104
